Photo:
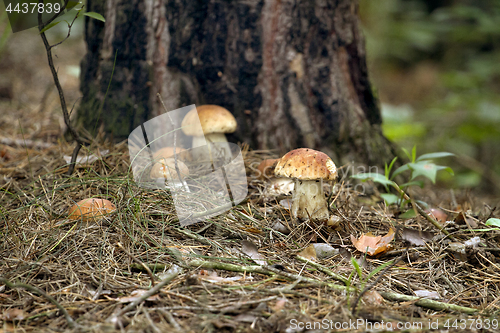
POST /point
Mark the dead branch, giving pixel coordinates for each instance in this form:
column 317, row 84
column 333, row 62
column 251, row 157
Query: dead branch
column 48, row 48
column 71, row 322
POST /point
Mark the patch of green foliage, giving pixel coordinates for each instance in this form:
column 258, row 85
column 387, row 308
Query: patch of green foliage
column 461, row 41
column 418, row 167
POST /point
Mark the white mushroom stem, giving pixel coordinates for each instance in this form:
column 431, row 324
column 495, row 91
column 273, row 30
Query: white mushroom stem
column 308, row 199
column 222, row 147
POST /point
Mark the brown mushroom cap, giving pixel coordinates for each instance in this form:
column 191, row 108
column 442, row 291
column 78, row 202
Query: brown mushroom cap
column 91, row 209
column 165, row 168
column 306, row 164
column 213, row 119
column 167, row 152
column 266, row 168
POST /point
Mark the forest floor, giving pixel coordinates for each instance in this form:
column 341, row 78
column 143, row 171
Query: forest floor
column 237, row 272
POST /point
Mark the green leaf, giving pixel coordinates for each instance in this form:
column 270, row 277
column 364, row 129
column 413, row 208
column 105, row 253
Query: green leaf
column 388, row 169
column 408, row 214
column 389, row 198
column 493, row 221
column 450, row 170
column 376, row 177
column 415, row 182
column 413, row 154
column 356, row 266
column 399, row 170
column 50, row 25
column 424, row 204
column 423, row 168
column 378, row 269
column 407, row 153
column 431, row 156
column 96, row 16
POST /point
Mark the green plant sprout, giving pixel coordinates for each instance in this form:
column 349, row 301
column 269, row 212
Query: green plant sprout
column 418, row 166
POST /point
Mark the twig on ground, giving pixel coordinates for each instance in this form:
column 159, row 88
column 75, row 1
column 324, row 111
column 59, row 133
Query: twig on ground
column 71, row 322
column 171, row 320
column 266, row 270
column 171, row 274
column 428, row 303
column 309, row 280
column 423, row 213
column 151, row 322
column 146, row 268
column 374, row 283
column 48, row 48
column 325, row 270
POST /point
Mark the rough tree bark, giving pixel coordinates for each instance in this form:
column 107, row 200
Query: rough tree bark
column 293, row 72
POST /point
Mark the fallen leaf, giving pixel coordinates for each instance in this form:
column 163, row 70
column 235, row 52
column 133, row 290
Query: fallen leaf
column 462, row 218
column 324, row 250
column 309, row 253
column 416, row 237
column 278, row 226
column 373, row 245
column 373, row 298
column 253, row 230
column 251, row 250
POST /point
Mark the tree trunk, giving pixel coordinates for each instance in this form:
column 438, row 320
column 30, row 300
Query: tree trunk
column 293, row 72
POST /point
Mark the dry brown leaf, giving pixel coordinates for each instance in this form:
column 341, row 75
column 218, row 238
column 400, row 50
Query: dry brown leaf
column 251, row 250
column 373, row 244
column 252, row 230
column 309, row 253
column 462, row 218
column 416, row 237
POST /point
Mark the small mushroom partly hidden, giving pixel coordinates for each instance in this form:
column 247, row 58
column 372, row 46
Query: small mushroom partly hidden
column 308, row 168
column 266, row 168
column 215, row 121
column 274, row 185
column 165, row 169
column 167, row 152
column 91, row 209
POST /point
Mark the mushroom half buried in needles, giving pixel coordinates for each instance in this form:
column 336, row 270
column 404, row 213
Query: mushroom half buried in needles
column 165, row 169
column 309, row 168
column 274, row 185
column 91, row 209
column 215, row 121
column 167, row 152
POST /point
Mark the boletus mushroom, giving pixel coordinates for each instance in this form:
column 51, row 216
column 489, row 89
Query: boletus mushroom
column 308, row 168
column 215, row 122
column 165, row 169
column 91, row 209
